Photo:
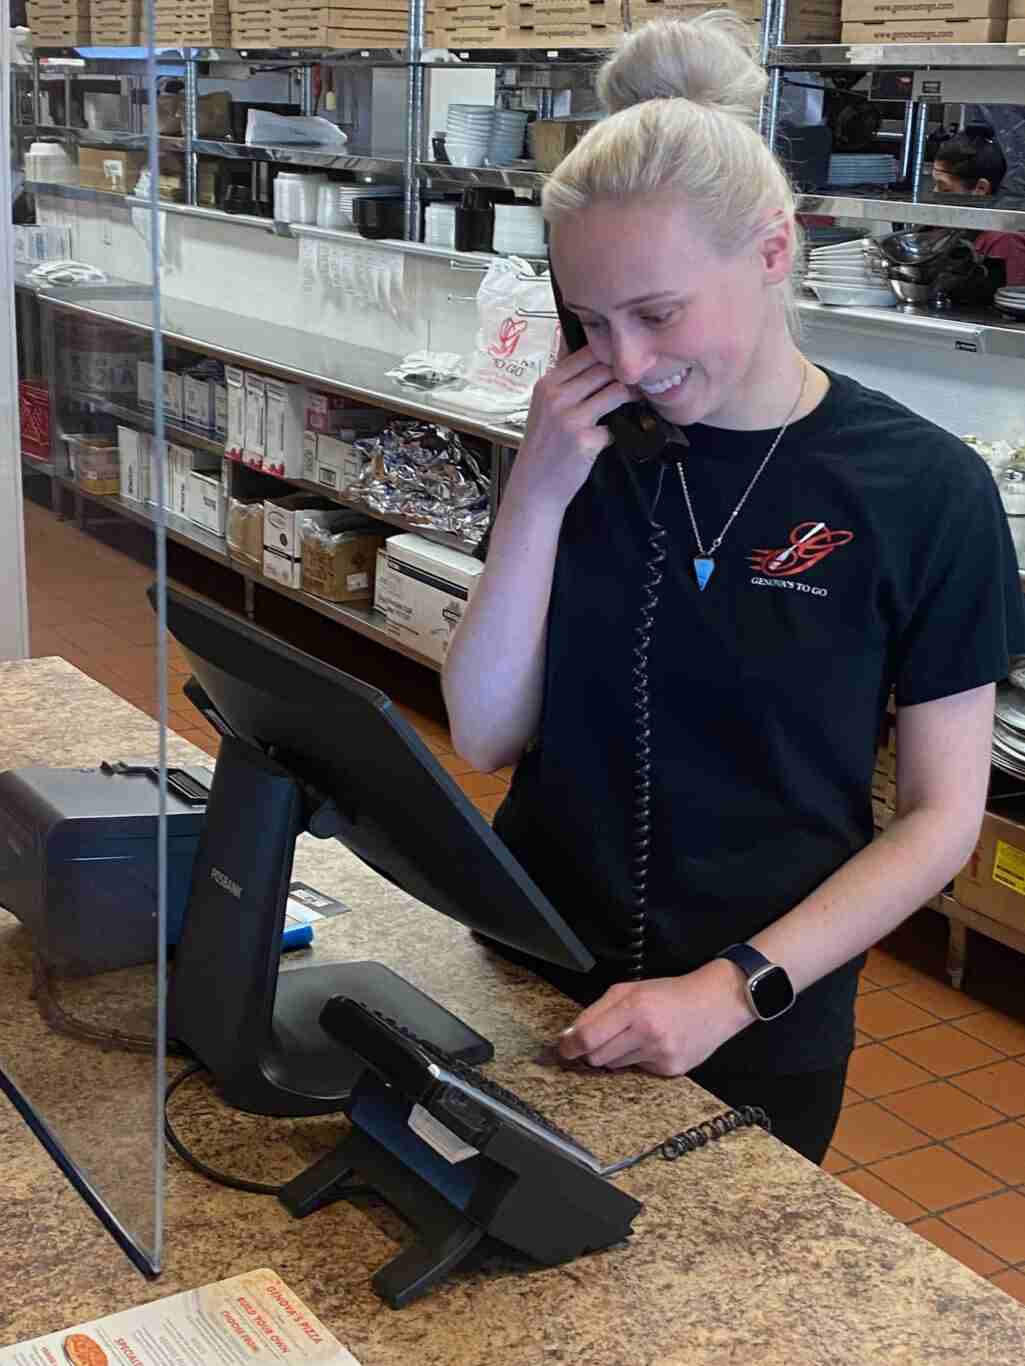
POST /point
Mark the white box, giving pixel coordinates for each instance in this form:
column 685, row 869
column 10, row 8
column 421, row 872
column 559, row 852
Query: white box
column 282, row 568
column 128, row 462
column 255, row 448
column 206, row 501
column 220, row 409
column 181, row 462
column 235, row 419
column 423, row 590
column 151, row 469
column 283, row 519
column 144, row 383
column 286, row 419
column 325, row 412
column 34, row 245
column 310, row 455
column 173, row 403
column 198, row 401
column 339, row 463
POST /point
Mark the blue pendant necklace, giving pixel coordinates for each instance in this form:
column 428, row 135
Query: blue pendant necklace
column 704, row 560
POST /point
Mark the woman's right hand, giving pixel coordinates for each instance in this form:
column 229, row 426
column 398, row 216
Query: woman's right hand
column 563, row 435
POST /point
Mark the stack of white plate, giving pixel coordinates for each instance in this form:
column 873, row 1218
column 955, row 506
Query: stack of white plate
column 440, row 225
column 335, row 201
column 507, row 136
column 1011, row 299
column 850, row 274
column 519, row 230
column 856, row 168
column 468, row 133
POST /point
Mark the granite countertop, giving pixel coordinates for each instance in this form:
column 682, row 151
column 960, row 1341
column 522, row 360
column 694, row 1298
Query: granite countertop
column 743, row 1252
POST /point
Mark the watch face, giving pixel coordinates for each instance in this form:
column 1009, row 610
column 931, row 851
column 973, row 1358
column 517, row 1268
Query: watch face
column 771, row 992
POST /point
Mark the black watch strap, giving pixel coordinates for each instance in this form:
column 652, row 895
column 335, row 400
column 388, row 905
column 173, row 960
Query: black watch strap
column 747, row 959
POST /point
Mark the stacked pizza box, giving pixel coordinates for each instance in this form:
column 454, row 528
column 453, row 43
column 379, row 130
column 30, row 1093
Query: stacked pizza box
column 925, row 21
column 59, row 23
column 340, row 25
column 531, row 23
column 191, row 23
column 117, row 23
column 808, row 21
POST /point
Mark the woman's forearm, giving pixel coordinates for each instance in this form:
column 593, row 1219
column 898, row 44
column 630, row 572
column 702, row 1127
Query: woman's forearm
column 494, row 671
column 871, row 894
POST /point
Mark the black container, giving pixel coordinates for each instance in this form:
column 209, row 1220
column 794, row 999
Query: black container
column 474, row 228
column 379, row 217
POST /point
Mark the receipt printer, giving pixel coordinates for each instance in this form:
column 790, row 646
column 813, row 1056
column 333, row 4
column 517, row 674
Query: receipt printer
column 78, row 860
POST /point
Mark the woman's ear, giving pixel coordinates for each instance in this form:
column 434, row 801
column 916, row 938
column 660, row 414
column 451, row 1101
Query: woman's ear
column 776, row 247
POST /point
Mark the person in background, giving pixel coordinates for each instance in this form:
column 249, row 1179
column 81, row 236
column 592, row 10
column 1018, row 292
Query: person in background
column 974, row 166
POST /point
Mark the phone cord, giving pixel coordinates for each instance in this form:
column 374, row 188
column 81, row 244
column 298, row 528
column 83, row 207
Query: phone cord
column 699, row 1136
column 640, row 859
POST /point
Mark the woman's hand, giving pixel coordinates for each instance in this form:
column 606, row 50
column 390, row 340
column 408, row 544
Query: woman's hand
column 667, row 1025
column 563, row 436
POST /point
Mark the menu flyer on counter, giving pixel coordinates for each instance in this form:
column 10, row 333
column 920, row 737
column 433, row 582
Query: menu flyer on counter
column 250, row 1318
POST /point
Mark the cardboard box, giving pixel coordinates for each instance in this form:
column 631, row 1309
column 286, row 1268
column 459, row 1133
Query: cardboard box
column 144, row 384
column 340, row 565
column 925, row 31
column 220, row 409
column 198, row 401
column 338, row 463
column 282, row 569
column 206, row 501
column 181, row 464
column 243, row 530
column 283, row 517
column 174, row 400
column 286, row 418
column 993, row 880
column 110, row 168
column 1016, row 30
column 235, row 394
column 34, row 245
column 924, row 9
column 129, row 464
column 423, row 590
column 94, row 462
column 1016, row 9
column 255, row 447
column 326, row 412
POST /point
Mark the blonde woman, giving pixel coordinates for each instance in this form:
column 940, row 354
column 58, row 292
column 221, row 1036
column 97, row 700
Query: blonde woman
column 689, row 659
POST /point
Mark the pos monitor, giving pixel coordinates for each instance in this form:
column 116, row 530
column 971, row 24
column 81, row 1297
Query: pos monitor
column 307, row 747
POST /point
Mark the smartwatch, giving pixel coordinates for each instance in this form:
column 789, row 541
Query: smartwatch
column 769, row 990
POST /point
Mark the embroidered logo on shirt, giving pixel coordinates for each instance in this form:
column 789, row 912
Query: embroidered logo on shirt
column 810, row 542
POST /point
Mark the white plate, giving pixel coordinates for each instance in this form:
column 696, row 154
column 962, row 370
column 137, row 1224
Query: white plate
column 854, row 296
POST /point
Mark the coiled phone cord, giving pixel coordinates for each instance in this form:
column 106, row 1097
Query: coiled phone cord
column 699, row 1136
column 640, row 857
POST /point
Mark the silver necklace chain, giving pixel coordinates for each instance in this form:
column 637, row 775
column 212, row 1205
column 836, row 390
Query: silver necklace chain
column 754, row 478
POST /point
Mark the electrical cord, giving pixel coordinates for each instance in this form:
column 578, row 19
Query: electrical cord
column 640, row 857
column 222, row 1178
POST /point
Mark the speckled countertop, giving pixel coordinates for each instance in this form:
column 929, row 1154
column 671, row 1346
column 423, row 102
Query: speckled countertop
column 743, row 1252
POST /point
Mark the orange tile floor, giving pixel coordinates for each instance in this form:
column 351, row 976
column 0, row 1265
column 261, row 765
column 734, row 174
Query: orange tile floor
column 933, row 1126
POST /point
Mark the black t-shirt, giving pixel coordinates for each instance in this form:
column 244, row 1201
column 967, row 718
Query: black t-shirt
column 872, row 554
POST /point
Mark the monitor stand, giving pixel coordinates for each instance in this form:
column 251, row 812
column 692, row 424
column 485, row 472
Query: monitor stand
column 255, row 1028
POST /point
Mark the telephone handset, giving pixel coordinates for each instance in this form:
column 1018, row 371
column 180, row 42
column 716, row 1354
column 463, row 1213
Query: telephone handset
column 636, row 428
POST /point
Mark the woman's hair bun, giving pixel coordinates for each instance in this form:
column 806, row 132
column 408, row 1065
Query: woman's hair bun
column 711, row 60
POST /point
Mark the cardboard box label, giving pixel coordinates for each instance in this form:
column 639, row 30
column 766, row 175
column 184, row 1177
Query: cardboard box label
column 1009, row 867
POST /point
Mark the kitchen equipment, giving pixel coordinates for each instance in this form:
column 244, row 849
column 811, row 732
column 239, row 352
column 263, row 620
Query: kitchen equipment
column 440, row 225
column 379, row 217
column 48, row 161
column 852, row 295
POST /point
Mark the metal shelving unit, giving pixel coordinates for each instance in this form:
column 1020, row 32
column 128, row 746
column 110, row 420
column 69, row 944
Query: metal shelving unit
column 899, row 56
column 138, row 417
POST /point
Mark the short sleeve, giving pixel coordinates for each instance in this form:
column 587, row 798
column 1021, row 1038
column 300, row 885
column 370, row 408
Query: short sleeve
column 967, row 619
